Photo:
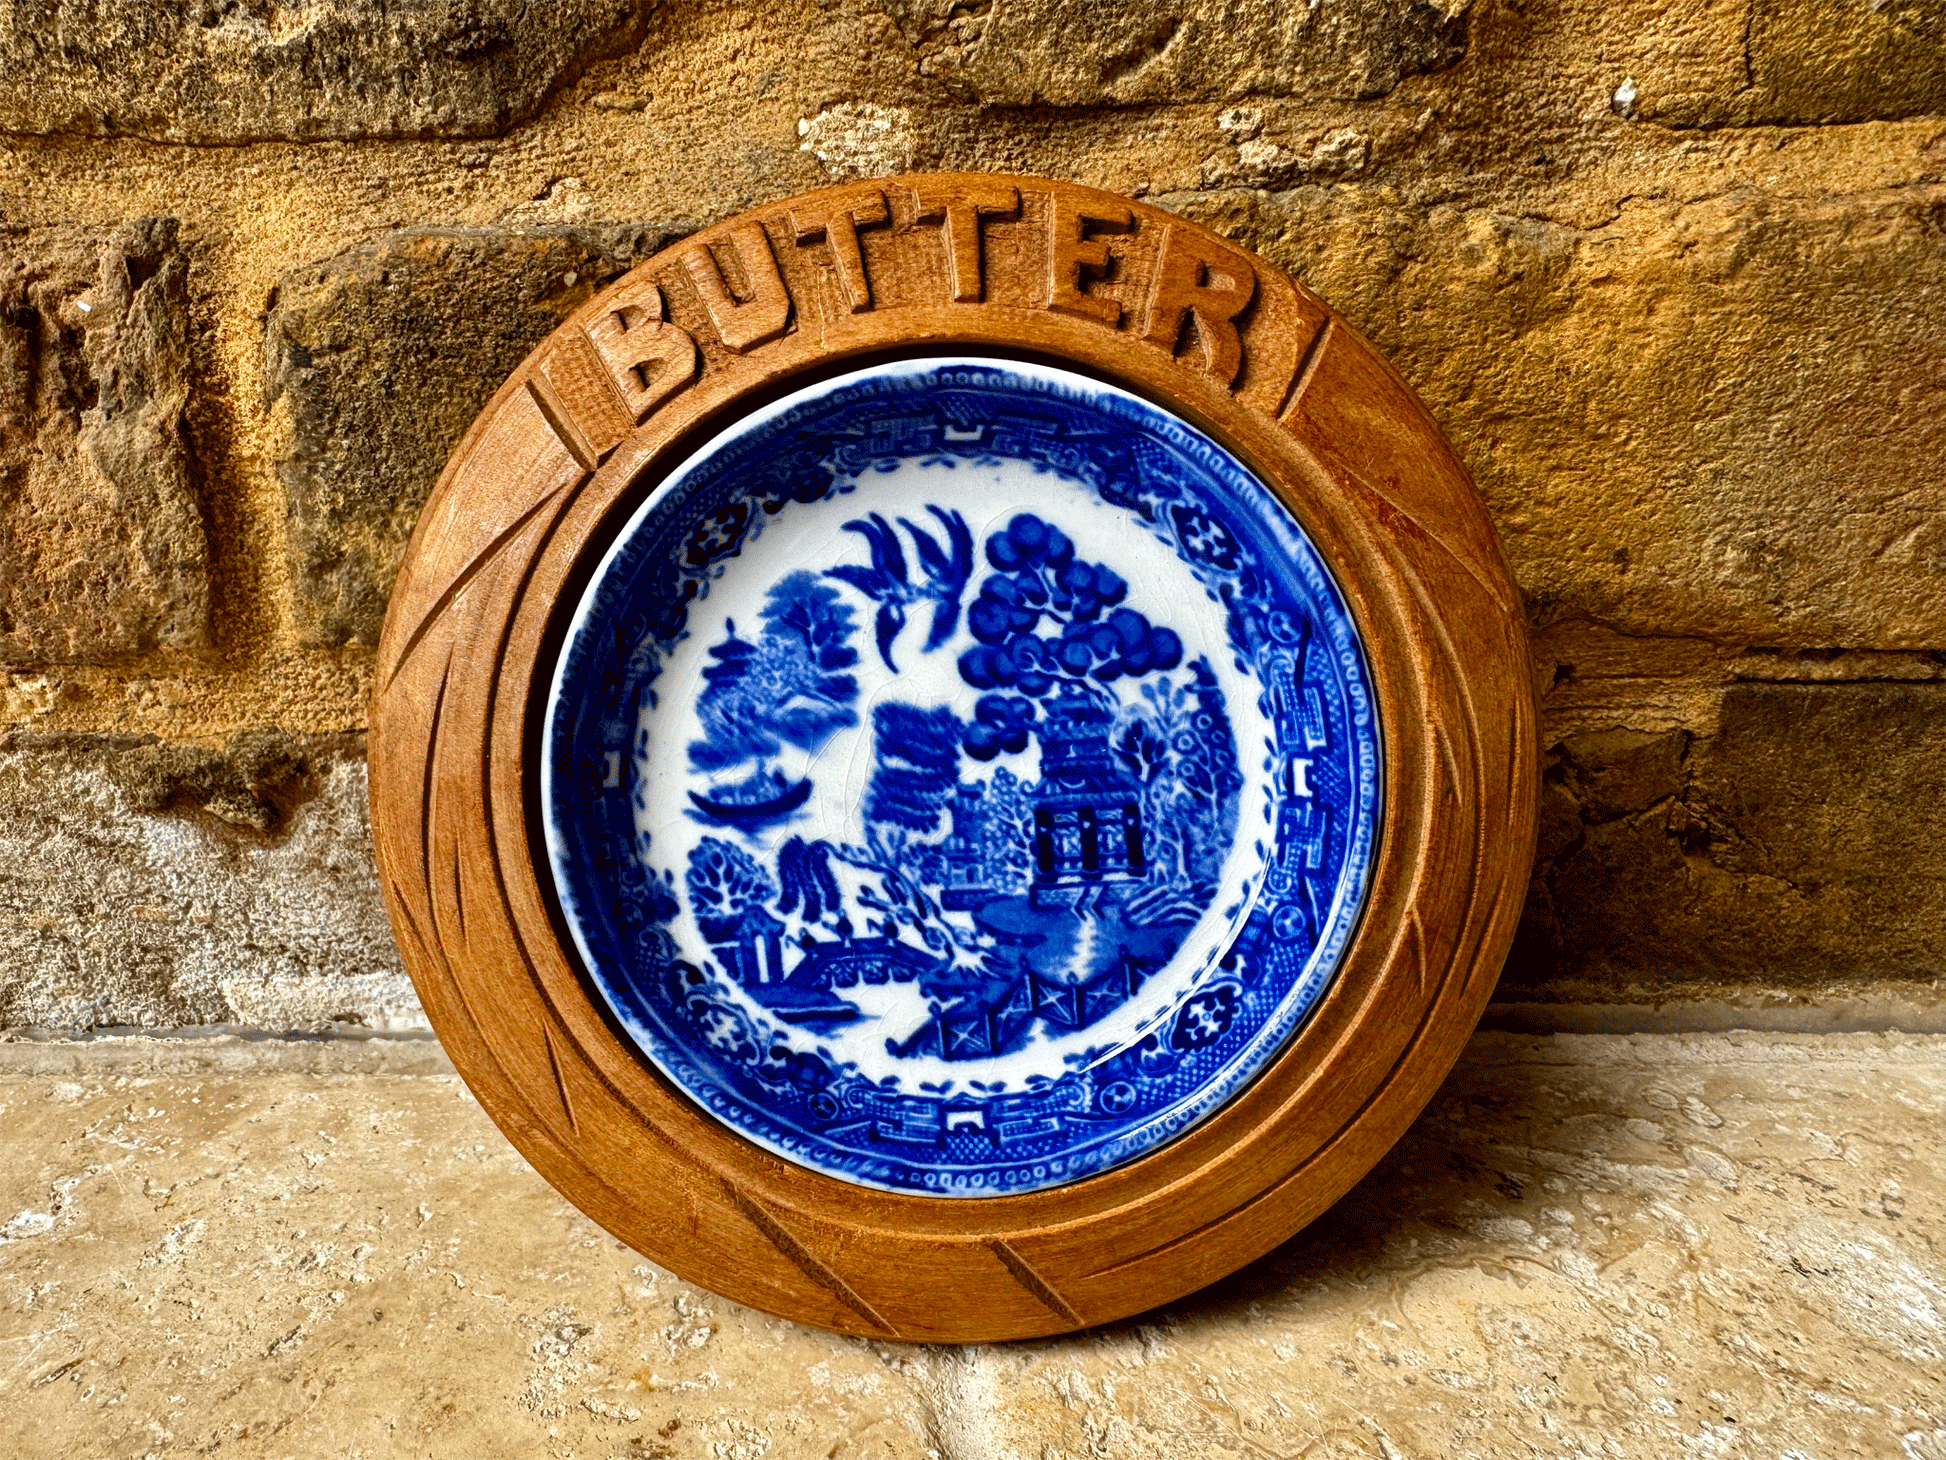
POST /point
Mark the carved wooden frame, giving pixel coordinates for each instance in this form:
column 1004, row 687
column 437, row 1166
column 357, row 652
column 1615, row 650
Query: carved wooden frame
column 760, row 304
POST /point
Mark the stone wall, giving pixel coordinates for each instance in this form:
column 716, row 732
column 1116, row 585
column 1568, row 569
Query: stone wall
column 1671, row 274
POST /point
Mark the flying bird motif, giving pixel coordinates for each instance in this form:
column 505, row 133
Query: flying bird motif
column 947, row 570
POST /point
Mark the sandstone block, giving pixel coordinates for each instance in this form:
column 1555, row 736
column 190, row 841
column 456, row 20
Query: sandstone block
column 1615, row 772
column 1083, row 53
column 257, row 780
column 1795, row 841
column 209, row 73
column 1785, row 63
column 383, row 356
column 1828, row 791
column 103, row 552
column 158, row 885
column 1722, row 420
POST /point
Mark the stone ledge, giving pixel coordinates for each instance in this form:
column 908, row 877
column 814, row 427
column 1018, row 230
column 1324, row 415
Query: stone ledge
column 1894, row 1007
column 1637, row 1246
column 215, row 1050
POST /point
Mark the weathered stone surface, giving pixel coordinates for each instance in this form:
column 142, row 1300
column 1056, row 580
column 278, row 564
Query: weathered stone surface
column 1638, row 1247
column 860, row 139
column 103, row 552
column 1722, row 419
column 1794, row 840
column 385, row 355
column 146, row 884
column 356, row 1263
column 1085, row 53
column 255, row 781
column 221, row 73
column 1615, row 772
column 1786, row 62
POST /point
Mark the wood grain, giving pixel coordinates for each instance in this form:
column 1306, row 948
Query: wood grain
column 770, row 300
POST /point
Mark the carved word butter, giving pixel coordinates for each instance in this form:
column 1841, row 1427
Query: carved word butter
column 1170, row 286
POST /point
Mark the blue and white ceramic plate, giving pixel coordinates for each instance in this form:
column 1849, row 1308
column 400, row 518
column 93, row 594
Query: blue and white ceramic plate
column 961, row 777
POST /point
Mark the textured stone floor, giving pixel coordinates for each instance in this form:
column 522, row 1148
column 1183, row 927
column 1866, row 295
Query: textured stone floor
column 1591, row 1245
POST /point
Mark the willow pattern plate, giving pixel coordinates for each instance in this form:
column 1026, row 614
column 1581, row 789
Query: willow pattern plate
column 961, row 776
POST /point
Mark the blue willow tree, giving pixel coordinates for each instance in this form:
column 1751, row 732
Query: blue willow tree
column 724, row 882
column 915, row 777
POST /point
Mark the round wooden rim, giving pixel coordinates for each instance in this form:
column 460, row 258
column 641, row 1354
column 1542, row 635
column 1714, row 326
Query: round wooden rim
column 530, row 498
